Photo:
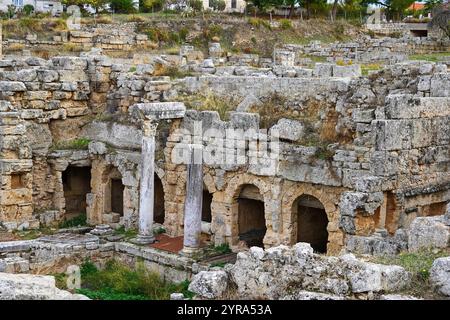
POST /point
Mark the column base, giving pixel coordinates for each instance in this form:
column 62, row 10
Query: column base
column 141, row 239
column 190, row 252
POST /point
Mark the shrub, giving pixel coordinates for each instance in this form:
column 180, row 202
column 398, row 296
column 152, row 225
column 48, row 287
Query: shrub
column 151, row 5
column 157, row 35
column 285, row 24
column 257, row 23
column 72, row 47
column 104, row 20
column 28, row 9
column 196, row 5
column 174, row 37
column 183, row 33
column 222, row 248
column 134, row 18
column 341, row 62
column 74, row 222
column 16, row 47
column 217, row 5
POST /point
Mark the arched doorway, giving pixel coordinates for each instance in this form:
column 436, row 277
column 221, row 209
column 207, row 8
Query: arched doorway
column 76, row 185
column 251, row 219
column 311, row 222
column 158, row 204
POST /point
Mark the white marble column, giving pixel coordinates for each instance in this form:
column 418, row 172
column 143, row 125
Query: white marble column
column 193, row 202
column 146, row 193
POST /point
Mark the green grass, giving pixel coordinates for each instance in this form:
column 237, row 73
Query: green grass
column 218, row 265
column 128, row 234
column 432, row 57
column 366, row 68
column 160, row 230
column 173, row 72
column 418, row 264
column 119, row 282
column 78, row 221
column 75, row 144
column 222, row 248
column 285, row 24
column 33, row 234
column 61, row 280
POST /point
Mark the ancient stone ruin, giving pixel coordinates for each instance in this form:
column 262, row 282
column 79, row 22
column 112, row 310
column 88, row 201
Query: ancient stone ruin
column 288, row 164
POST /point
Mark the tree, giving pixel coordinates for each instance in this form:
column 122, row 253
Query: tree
column 431, row 4
column 96, row 4
column 122, row 6
column 394, row 7
column 28, row 9
column 218, row 5
column 441, row 19
column 196, row 5
column 334, row 10
column 151, row 5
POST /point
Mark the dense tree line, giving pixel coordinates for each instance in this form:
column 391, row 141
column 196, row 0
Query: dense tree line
column 349, row 9
column 393, row 9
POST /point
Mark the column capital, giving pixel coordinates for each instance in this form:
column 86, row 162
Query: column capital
column 149, row 128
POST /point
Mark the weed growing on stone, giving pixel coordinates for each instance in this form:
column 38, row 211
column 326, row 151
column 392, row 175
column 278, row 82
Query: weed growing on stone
column 74, row 222
column 218, row 265
column 128, row 234
column 433, row 57
column 418, row 264
column 222, row 248
column 75, row 144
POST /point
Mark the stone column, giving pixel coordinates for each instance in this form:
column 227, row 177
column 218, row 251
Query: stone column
column 146, row 194
column 193, row 203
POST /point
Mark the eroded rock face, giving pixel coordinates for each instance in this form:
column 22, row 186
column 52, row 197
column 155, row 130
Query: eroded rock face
column 297, row 273
column 33, row 287
column 428, row 232
column 440, row 275
column 210, row 284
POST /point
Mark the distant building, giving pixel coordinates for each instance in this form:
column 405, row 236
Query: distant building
column 54, row 6
column 416, row 6
column 231, row 5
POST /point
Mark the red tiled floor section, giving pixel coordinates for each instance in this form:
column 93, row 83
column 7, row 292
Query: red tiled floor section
column 166, row 243
column 6, row 236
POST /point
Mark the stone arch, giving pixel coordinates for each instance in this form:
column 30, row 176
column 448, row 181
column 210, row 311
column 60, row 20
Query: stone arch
column 310, row 222
column 327, row 196
column 231, row 195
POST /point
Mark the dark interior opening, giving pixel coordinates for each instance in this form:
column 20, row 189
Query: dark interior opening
column 312, row 222
column 251, row 219
column 76, row 184
column 117, row 196
column 158, row 204
column 206, row 206
column 419, row 33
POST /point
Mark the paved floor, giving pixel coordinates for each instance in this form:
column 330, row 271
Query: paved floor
column 70, row 238
column 7, row 236
column 166, row 243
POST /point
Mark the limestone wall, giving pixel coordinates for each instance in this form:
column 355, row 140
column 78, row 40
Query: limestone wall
column 380, row 147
